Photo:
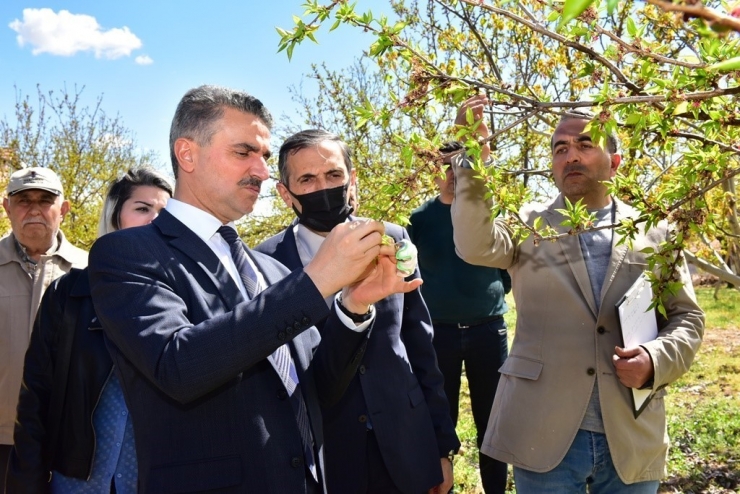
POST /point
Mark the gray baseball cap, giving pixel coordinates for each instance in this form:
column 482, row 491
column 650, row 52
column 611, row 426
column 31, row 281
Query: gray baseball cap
column 34, row 178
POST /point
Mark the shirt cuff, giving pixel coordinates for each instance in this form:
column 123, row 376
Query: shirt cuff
column 359, row 328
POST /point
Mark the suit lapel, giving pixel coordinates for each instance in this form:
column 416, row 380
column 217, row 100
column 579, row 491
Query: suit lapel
column 189, row 244
column 183, row 239
column 271, row 274
column 301, row 352
column 571, row 247
column 286, row 250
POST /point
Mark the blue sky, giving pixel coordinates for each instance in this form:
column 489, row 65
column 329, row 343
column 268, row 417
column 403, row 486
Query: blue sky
column 143, row 55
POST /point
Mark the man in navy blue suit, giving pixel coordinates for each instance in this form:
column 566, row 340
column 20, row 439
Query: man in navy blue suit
column 391, row 432
column 213, row 343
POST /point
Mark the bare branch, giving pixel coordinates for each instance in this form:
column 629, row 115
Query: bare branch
column 560, row 38
column 635, row 48
column 712, row 269
column 698, row 10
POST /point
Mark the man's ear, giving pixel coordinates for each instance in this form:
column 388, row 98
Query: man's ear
column 616, row 160
column 287, row 198
column 65, row 208
column 186, row 153
column 6, row 203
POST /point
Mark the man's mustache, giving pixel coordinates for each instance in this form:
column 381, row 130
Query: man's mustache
column 246, row 182
column 574, row 167
column 34, row 221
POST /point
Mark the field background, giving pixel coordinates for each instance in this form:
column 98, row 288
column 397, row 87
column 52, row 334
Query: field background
column 703, row 410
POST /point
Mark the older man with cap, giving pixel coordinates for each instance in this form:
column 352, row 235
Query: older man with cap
column 33, row 255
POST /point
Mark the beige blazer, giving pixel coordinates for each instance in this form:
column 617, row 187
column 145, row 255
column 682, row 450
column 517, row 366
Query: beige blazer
column 562, row 343
column 20, row 297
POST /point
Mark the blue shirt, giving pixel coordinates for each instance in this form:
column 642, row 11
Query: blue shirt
column 115, row 452
column 597, row 250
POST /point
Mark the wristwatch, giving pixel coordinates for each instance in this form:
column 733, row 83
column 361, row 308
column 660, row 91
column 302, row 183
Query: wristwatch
column 451, row 455
column 356, row 318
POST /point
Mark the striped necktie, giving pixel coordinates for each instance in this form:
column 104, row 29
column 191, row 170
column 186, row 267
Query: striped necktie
column 280, row 359
column 246, row 273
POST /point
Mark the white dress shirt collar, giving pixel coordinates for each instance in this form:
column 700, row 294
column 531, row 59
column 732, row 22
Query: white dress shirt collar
column 307, row 242
column 202, row 223
column 206, row 226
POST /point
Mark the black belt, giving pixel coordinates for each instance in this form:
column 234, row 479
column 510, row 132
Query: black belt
column 464, row 325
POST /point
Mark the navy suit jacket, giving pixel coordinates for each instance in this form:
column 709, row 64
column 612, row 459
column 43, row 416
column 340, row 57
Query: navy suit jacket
column 398, row 386
column 209, row 411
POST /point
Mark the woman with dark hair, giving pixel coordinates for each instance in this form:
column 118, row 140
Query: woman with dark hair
column 122, row 207
column 72, row 432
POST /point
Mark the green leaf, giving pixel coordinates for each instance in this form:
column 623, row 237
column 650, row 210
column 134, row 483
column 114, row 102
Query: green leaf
column 572, row 9
column 631, row 27
column 661, row 309
column 335, row 25
column 633, row 118
column 398, row 27
column 469, row 117
column 725, row 66
column 587, row 70
column 611, row 6
column 681, row 108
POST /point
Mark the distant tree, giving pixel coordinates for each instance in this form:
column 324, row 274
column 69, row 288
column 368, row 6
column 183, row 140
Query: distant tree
column 663, row 75
column 389, row 180
column 83, row 145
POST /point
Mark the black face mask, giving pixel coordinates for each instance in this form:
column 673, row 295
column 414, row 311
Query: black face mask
column 324, row 209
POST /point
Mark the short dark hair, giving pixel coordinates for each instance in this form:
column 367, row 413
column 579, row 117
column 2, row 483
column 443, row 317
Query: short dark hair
column 611, row 138
column 121, row 189
column 305, row 139
column 450, row 147
column 202, row 106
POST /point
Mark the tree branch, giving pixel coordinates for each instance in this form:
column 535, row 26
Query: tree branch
column 632, row 48
column 560, row 38
column 712, row 269
column 698, row 10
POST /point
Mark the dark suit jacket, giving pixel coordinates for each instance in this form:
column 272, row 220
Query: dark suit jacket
column 398, row 386
column 209, row 412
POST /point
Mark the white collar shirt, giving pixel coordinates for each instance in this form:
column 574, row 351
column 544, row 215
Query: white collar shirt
column 206, row 226
column 307, row 243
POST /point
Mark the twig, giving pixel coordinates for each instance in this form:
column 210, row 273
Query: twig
column 645, row 53
column 560, row 38
column 698, row 10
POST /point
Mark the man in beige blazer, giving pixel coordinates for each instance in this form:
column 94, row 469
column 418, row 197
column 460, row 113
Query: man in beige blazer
column 562, row 413
column 32, row 256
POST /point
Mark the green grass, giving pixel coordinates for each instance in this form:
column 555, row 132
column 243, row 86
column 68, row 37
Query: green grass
column 703, row 406
column 703, row 410
column 724, row 311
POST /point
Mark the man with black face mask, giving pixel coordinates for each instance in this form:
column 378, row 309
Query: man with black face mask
column 391, row 432
column 323, row 209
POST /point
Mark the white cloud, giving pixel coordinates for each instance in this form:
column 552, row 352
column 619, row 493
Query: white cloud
column 66, row 34
column 144, row 60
